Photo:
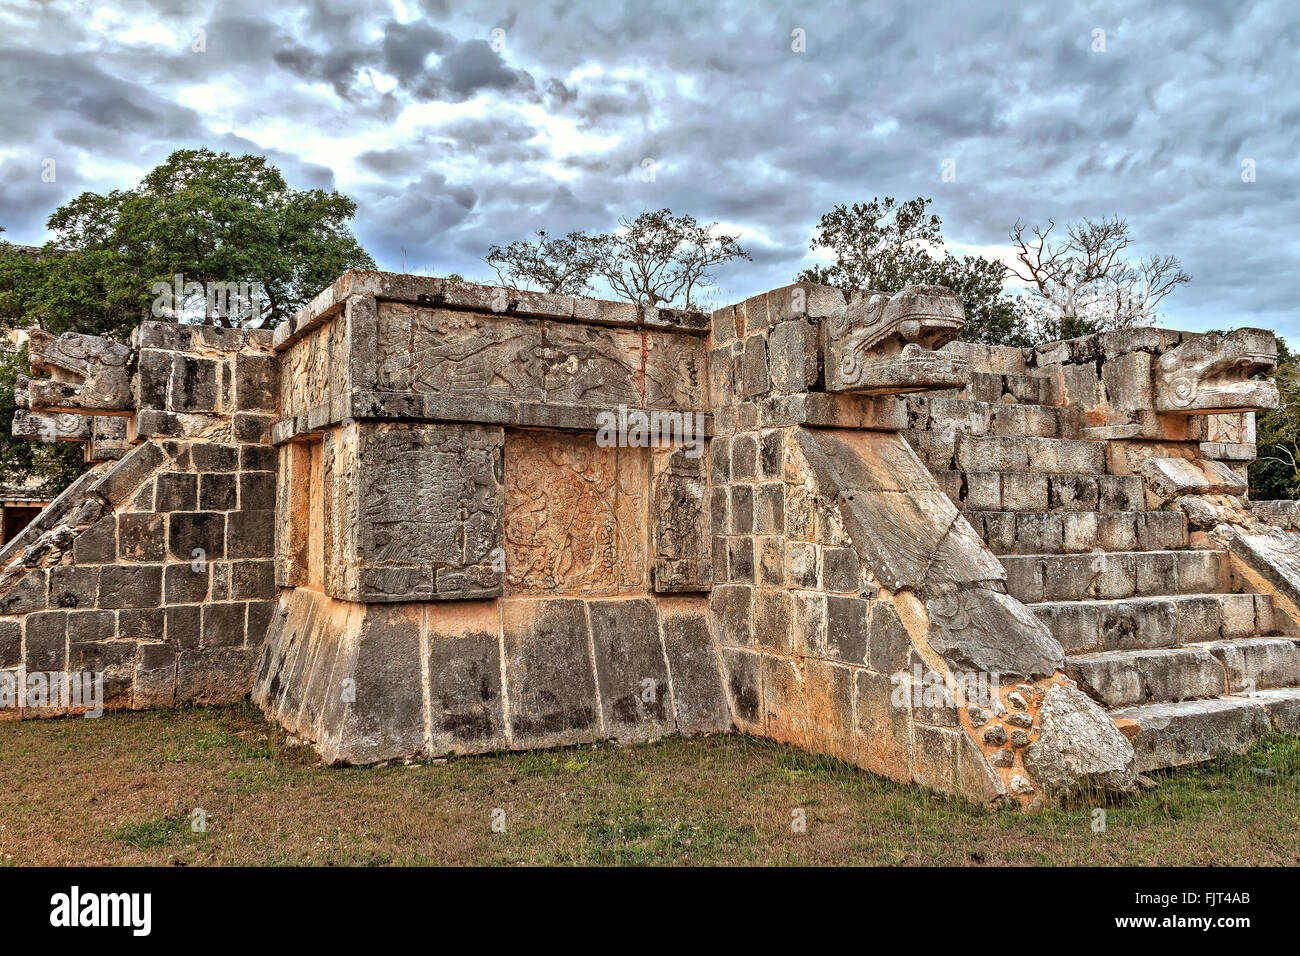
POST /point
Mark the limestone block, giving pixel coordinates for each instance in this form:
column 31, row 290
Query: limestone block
column 551, row 684
column 154, row 683
column 742, row 671
column 828, row 690
column 674, row 371
column 1172, row 477
column 699, row 698
column 212, row 676
column 1190, row 731
column 792, row 356
column 379, row 713
column 1079, row 747
column 466, row 704
column 631, row 673
column 883, row 730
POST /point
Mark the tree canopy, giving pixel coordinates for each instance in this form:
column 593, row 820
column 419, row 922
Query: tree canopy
column 656, row 259
column 207, row 217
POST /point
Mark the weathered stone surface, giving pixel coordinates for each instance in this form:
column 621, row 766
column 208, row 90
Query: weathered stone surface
column 429, row 513
column 1078, row 747
column 1172, row 477
column 983, row 631
column 215, row 676
column 1212, row 373
column 742, row 671
column 631, row 671
column 551, row 682
column 910, row 534
column 466, row 705
column 880, row 344
column 683, row 560
column 382, row 710
column 574, row 515
column 1193, row 730
column 88, row 373
column 699, row 697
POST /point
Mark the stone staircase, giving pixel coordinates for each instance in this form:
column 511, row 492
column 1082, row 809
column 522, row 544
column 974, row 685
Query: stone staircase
column 1157, row 631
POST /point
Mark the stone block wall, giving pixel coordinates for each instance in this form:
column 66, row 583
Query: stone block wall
column 156, row 570
column 849, row 592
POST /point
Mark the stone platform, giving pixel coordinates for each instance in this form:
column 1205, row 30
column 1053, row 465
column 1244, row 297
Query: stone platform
column 429, row 517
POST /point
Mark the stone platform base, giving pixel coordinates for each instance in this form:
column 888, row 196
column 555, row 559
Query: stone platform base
column 368, row 683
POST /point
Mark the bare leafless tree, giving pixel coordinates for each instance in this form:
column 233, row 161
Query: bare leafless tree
column 1088, row 267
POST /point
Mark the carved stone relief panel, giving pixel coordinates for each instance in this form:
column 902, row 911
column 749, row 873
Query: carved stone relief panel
column 428, row 512
column 305, row 373
column 590, row 365
column 681, row 522
column 576, row 515
column 458, row 353
column 521, row 359
column 676, row 374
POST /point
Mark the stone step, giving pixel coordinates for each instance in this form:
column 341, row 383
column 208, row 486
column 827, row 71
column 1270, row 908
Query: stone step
column 962, row 416
column 1076, row 532
column 1146, row 623
column 991, row 490
column 1160, row 675
column 1171, row 734
column 1106, row 575
column 1258, row 663
column 1048, row 456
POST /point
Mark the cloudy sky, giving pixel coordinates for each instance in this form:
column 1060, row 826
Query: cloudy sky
column 458, row 125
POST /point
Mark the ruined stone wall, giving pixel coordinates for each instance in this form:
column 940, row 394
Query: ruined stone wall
column 469, row 565
column 154, row 570
column 855, row 610
column 440, row 517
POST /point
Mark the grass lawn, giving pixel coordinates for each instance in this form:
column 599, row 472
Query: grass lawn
column 121, row 790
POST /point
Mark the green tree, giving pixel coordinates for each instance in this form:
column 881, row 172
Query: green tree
column 563, row 265
column 885, row 245
column 656, row 259
column 209, row 217
column 1276, row 472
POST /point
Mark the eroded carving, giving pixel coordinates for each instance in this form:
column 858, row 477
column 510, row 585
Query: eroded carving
column 88, row 373
column 1212, row 373
column 681, row 523
column 882, row 344
column 428, row 511
column 575, row 515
